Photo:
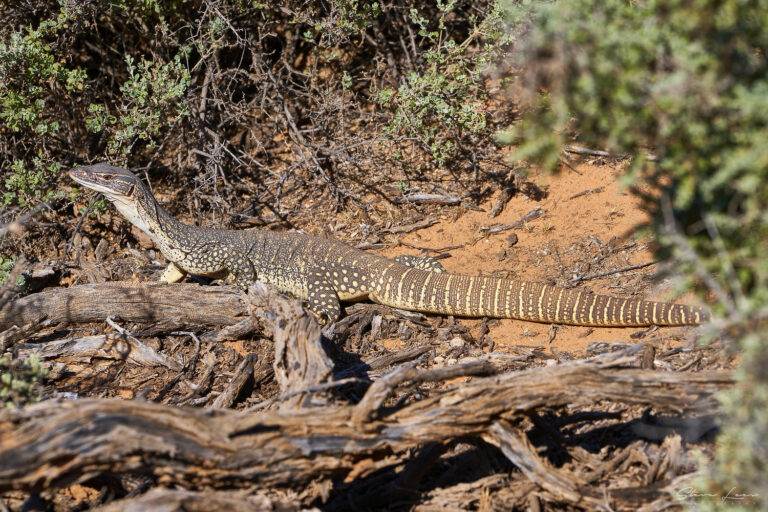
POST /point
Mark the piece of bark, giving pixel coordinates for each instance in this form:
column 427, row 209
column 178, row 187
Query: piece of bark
column 649, row 354
column 507, row 191
column 243, row 375
column 428, row 199
column 55, row 443
column 109, row 346
column 231, row 332
column 132, row 302
column 180, row 500
column 300, row 359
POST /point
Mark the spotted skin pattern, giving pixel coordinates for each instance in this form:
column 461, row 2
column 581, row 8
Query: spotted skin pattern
column 324, row 272
column 424, row 263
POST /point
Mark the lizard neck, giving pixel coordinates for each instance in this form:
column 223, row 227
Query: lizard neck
column 170, row 235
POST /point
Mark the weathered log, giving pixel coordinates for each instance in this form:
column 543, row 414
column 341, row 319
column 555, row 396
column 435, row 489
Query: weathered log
column 54, row 443
column 104, row 346
column 132, row 302
column 179, row 500
column 300, row 359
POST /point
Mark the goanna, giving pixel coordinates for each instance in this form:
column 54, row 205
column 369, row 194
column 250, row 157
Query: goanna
column 324, row 272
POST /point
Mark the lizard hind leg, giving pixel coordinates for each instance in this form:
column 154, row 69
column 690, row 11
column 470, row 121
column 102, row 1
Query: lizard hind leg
column 323, row 299
column 427, row 263
column 239, row 271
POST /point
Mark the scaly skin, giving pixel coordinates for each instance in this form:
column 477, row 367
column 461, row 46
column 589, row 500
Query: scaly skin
column 323, row 271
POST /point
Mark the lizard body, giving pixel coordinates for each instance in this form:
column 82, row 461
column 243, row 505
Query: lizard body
column 324, row 271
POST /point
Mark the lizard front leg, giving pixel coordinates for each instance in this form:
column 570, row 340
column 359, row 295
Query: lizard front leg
column 172, row 273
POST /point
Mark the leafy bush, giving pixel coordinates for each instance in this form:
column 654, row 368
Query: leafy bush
column 151, row 101
column 26, row 186
column 221, row 87
column 28, row 67
column 37, row 88
column 6, row 266
column 689, row 84
column 29, row 70
column 445, row 100
column 21, row 381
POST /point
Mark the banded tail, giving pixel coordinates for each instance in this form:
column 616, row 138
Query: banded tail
column 477, row 296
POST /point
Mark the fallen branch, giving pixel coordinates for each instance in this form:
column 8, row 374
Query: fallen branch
column 410, row 228
column 107, row 346
column 587, row 192
column 185, row 303
column 580, row 279
column 586, row 151
column 533, row 214
column 385, row 386
column 55, row 443
column 428, row 199
column 231, row 332
column 517, row 448
column 596, row 152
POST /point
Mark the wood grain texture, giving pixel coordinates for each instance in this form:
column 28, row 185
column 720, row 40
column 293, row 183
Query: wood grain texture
column 133, row 302
column 55, row 443
column 181, row 500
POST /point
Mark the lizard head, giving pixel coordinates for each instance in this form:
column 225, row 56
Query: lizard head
column 123, row 188
column 114, row 182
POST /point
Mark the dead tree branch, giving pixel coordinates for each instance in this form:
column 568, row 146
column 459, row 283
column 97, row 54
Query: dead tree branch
column 180, row 500
column 106, row 346
column 55, row 443
column 133, row 302
column 300, row 360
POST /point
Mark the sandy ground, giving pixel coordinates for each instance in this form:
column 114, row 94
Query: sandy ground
column 550, row 247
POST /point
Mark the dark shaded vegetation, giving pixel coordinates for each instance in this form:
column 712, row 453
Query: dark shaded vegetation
column 682, row 88
column 242, row 99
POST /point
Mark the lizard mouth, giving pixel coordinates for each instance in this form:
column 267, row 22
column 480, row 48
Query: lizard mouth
column 101, row 182
column 80, row 175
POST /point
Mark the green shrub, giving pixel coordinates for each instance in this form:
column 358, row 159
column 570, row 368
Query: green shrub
column 26, row 186
column 21, row 381
column 441, row 103
column 219, row 88
column 6, row 266
column 689, row 84
column 28, row 67
column 29, row 70
column 151, row 101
